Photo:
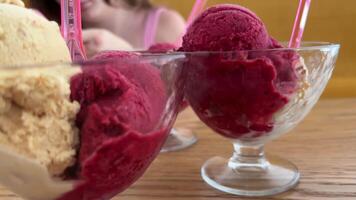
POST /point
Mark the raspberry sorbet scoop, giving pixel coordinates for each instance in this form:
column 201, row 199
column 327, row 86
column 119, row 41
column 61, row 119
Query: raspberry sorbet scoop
column 119, row 111
column 236, row 84
column 226, row 28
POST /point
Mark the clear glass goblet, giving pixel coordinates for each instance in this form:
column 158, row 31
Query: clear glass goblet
column 253, row 97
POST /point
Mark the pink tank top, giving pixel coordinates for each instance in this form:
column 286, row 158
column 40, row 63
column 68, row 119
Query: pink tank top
column 151, row 26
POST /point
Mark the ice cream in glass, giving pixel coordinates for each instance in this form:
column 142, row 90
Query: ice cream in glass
column 77, row 130
column 248, row 87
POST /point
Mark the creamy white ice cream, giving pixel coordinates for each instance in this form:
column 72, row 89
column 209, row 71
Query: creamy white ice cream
column 37, row 119
column 28, row 38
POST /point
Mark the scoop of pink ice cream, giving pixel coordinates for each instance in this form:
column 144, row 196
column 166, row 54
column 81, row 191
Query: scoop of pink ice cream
column 121, row 104
column 234, row 97
column 226, row 28
column 237, row 90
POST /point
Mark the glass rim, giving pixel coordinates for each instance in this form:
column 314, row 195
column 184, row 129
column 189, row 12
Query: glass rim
column 88, row 62
column 145, row 56
column 313, row 45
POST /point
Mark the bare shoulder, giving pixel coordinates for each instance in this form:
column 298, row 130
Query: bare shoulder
column 171, row 26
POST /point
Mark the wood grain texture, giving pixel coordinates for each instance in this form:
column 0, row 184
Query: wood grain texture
column 323, row 147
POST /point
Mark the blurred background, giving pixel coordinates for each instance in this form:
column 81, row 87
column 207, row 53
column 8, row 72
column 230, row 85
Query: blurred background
column 329, row 20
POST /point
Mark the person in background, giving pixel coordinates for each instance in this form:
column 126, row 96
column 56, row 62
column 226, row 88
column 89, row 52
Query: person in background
column 122, row 24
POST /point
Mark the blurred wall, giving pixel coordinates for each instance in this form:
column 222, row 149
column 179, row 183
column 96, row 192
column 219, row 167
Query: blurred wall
column 329, row 20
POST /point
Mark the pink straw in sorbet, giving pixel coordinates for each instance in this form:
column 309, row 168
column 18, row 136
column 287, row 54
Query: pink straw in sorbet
column 197, row 9
column 71, row 28
column 299, row 24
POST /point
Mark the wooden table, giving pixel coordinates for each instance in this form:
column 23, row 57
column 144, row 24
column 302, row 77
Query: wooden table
column 323, row 147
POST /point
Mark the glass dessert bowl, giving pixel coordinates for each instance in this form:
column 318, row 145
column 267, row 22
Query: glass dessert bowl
column 84, row 131
column 253, row 97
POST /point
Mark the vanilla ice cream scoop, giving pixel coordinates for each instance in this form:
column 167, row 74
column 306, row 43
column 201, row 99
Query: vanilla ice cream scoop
column 28, row 38
column 38, row 135
column 37, row 118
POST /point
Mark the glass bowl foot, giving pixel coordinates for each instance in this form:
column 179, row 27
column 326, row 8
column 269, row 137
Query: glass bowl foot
column 179, row 139
column 277, row 176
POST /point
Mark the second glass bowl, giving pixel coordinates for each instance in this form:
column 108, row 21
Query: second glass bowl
column 253, row 97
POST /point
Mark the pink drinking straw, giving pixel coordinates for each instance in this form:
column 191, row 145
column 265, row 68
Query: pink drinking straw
column 71, row 28
column 299, row 24
column 197, row 9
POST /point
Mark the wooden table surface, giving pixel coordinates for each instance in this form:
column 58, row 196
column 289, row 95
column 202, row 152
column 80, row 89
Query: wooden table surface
column 323, row 146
